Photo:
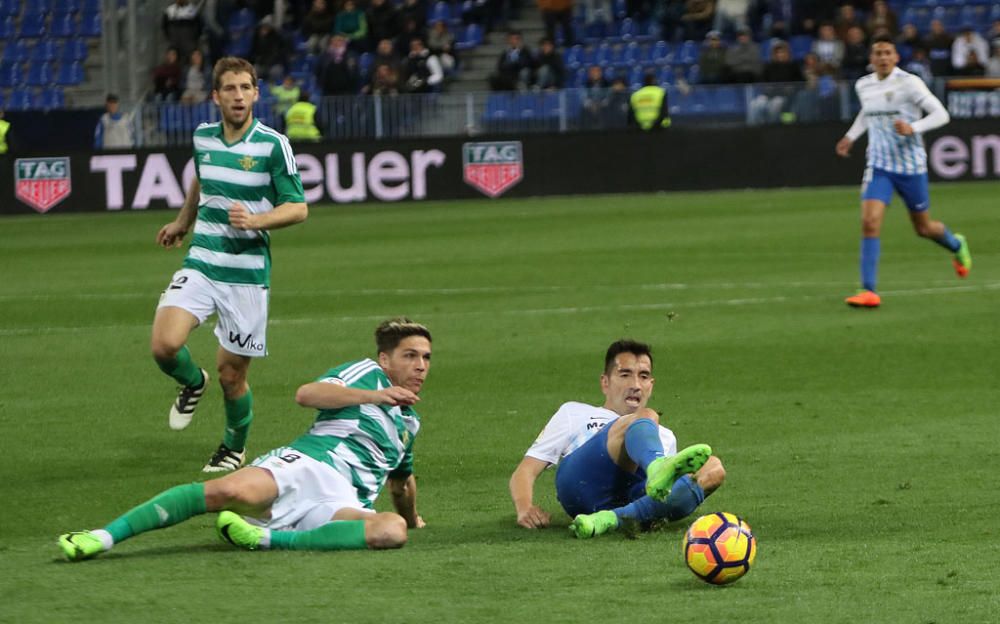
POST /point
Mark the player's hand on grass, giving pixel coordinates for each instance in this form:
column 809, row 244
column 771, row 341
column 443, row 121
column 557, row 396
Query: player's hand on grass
column 240, row 218
column 533, row 517
column 844, row 147
column 419, row 524
column 902, row 128
column 396, row 395
column 171, row 235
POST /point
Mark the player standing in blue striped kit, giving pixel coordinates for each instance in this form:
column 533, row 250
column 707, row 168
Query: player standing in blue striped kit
column 892, row 105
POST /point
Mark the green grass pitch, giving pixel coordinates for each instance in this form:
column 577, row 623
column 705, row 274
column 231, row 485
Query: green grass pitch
column 861, row 446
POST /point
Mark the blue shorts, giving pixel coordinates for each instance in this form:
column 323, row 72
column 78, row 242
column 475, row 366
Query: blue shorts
column 879, row 184
column 587, row 480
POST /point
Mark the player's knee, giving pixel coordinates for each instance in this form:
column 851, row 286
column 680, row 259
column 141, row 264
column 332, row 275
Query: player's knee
column 164, row 350
column 222, row 494
column 924, row 230
column 712, row 475
column 386, row 530
column 649, row 414
column 870, row 226
column 231, row 378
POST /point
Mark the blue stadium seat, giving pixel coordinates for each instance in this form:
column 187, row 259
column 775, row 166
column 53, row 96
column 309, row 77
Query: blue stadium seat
column 9, row 8
column 16, row 51
column 579, row 78
column 365, row 64
column 244, row 19
column 45, row 51
column 37, row 7
column 90, row 6
column 73, row 50
column 39, row 75
column 63, row 26
column 8, row 28
column 439, row 12
column 10, row 75
column 53, row 97
column 185, row 117
column 90, row 25
column 240, row 43
column 69, row 74
column 661, row 52
column 633, row 54
column 628, row 29
column 800, row 46
column 66, row 6
column 604, row 54
column 499, row 106
column 573, row 56
column 620, row 9
column 20, row 100
column 470, row 37
column 32, row 25
column 688, row 53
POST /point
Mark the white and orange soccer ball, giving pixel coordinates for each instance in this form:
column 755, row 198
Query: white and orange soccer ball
column 719, row 548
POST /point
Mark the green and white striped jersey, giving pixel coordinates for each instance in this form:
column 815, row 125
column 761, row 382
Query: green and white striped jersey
column 258, row 171
column 365, row 443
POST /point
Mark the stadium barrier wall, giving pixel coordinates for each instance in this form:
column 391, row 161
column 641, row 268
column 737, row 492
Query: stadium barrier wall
column 464, row 168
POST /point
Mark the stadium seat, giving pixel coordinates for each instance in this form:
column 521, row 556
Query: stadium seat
column 16, row 51
column 37, row 7
column 73, row 50
column 633, row 54
column 8, row 28
column 244, row 19
column 628, row 30
column 20, row 100
column 661, row 53
column 499, row 106
column 53, row 97
column 439, row 12
column 9, row 8
column 604, row 54
column 39, row 75
column 69, row 74
column 90, row 25
column 32, row 25
column 45, row 51
column 800, row 46
column 90, row 6
column 10, row 75
column 470, row 37
column 688, row 53
column 63, row 26
column 66, row 6
column 240, row 43
column 573, row 56
column 620, row 9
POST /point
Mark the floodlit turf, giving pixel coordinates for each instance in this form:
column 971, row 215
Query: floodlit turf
column 860, row 445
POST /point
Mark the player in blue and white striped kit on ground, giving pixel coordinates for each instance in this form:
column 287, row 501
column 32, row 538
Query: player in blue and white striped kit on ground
column 893, row 103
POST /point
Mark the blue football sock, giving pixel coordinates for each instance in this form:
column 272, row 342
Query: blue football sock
column 684, row 498
column 948, row 240
column 642, row 441
column 870, row 249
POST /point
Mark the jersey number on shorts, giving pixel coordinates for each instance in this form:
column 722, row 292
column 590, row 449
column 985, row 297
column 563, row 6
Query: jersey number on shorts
column 178, row 282
column 289, row 458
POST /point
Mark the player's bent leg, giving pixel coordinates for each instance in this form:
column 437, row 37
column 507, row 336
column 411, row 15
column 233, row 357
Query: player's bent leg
column 938, row 232
column 249, row 491
column 663, row 472
column 619, row 439
column 238, row 400
column 171, row 329
column 385, row 530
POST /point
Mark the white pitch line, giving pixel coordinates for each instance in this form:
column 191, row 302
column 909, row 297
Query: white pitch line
column 618, row 307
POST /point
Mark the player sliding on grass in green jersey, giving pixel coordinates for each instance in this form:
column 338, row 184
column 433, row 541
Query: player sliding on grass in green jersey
column 246, row 184
column 316, row 493
column 616, row 463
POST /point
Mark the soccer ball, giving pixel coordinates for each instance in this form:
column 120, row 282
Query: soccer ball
column 719, row 548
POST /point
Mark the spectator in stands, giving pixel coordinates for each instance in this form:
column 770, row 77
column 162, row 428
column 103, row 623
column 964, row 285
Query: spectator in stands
column 417, row 11
column 317, row 25
column 337, row 71
column 181, row 25
column 909, row 37
column 671, row 20
column 551, row 71
column 514, row 67
column 482, row 12
column 967, row 43
column 712, row 59
column 351, row 23
column 855, row 63
column 285, row 95
column 648, row 108
column 847, row 18
column 599, row 10
column 115, row 130
column 993, row 35
column 558, row 13
column 731, row 16
column 383, row 21
column 167, row 77
column 269, row 50
column 882, row 17
column 385, row 81
column 197, row 82
column 411, row 28
column 697, row 18
column 596, row 96
column 920, row 65
column 938, row 45
column 829, row 48
column 993, row 65
column 441, row 43
column 422, row 71
column 385, row 54
column 215, row 13
column 618, row 112
column 809, row 14
column 818, row 98
column 743, row 59
column 775, row 97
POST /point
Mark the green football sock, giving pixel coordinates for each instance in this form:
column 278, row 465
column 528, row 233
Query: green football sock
column 239, row 414
column 336, row 535
column 183, row 369
column 165, row 509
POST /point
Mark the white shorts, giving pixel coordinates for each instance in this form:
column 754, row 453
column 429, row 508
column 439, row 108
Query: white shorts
column 309, row 491
column 242, row 309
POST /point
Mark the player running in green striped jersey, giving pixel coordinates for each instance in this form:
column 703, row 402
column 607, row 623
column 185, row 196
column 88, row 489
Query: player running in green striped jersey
column 316, row 493
column 246, row 184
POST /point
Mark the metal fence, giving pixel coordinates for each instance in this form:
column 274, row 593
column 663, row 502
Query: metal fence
column 469, row 114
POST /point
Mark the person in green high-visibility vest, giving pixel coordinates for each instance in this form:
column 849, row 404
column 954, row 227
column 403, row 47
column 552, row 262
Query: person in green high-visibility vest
column 300, row 120
column 4, row 129
column 649, row 105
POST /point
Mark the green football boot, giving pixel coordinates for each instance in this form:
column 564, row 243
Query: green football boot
column 664, row 471
column 585, row 526
column 234, row 529
column 963, row 257
column 80, row 545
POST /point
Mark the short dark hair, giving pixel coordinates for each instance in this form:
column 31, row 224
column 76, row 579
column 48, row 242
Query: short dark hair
column 883, row 39
column 626, row 345
column 391, row 332
column 111, row 98
column 232, row 64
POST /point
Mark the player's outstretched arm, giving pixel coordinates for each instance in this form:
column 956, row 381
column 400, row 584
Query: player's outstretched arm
column 404, row 500
column 859, row 127
column 171, row 234
column 283, row 215
column 323, row 395
column 522, row 492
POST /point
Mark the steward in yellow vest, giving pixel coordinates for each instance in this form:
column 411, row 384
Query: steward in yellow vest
column 300, row 120
column 4, row 128
column 649, row 105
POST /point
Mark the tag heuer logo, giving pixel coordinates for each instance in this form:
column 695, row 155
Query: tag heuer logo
column 42, row 182
column 492, row 167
